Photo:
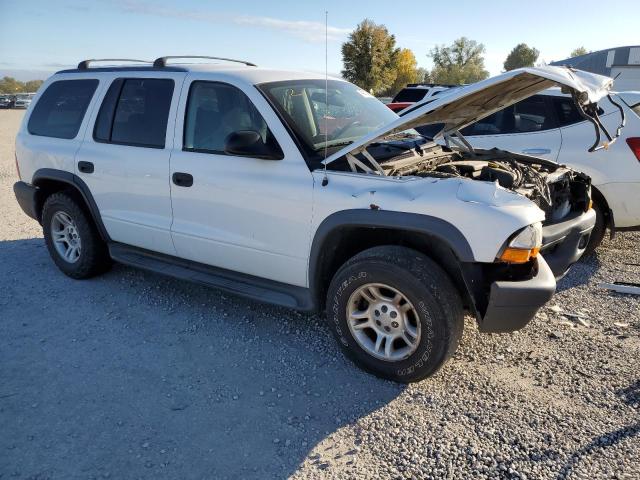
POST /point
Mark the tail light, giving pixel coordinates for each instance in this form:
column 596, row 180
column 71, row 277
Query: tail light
column 18, row 167
column 634, row 145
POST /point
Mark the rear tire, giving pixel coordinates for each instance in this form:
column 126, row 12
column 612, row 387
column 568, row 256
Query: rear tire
column 597, row 234
column 430, row 323
column 72, row 239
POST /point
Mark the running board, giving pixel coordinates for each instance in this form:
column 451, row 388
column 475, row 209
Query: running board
column 255, row 288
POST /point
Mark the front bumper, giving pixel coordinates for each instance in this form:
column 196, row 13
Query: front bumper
column 563, row 243
column 26, row 196
column 513, row 304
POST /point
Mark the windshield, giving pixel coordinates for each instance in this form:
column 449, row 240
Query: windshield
column 332, row 118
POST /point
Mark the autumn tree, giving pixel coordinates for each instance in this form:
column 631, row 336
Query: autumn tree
column 522, row 55
column 369, row 57
column 460, row 62
column 578, row 51
column 406, row 68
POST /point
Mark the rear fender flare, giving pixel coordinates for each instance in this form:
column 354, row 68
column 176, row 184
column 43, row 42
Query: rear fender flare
column 42, row 175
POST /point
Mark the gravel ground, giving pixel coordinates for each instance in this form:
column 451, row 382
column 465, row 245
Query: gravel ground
column 133, row 375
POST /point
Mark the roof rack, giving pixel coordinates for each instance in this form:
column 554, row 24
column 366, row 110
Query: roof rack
column 162, row 61
column 84, row 65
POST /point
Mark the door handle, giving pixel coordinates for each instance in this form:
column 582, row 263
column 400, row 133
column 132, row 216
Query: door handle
column 85, row 167
column 537, row 151
column 182, row 179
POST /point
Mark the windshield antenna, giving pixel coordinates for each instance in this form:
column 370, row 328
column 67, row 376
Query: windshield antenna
column 325, row 180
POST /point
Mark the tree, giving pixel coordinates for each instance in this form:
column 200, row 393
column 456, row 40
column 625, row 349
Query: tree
column 522, row 55
column 406, row 68
column 423, row 75
column 10, row 85
column 578, row 51
column 369, row 57
column 460, row 62
column 32, row 86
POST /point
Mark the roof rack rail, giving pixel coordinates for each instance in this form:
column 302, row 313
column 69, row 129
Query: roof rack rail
column 162, row 61
column 84, row 65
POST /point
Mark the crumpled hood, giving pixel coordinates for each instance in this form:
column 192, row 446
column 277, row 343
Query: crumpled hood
column 471, row 103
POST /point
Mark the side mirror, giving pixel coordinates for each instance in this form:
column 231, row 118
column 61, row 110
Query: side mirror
column 248, row 143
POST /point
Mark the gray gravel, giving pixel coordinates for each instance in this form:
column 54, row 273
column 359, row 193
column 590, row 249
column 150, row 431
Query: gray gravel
column 133, row 375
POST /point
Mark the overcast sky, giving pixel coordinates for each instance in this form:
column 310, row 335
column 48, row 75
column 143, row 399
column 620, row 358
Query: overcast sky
column 37, row 36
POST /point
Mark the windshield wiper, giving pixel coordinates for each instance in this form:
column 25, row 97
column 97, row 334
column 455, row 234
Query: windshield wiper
column 339, row 144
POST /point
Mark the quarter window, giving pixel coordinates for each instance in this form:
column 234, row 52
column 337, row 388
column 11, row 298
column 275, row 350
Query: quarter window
column 61, row 108
column 135, row 111
column 215, row 110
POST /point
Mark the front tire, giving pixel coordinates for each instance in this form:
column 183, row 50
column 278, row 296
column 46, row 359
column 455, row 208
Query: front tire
column 395, row 313
column 72, row 239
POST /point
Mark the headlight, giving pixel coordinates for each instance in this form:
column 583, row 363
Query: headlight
column 524, row 246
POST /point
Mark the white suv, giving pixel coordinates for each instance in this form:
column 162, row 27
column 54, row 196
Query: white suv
column 265, row 184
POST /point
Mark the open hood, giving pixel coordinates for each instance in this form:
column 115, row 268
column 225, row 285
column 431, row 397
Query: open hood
column 466, row 105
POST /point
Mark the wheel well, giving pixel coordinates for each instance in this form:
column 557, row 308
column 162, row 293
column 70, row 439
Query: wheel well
column 343, row 243
column 599, row 199
column 47, row 187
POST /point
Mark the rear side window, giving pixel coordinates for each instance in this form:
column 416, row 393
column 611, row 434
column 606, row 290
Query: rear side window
column 135, row 112
column 566, row 111
column 61, row 108
column 529, row 115
column 410, row 95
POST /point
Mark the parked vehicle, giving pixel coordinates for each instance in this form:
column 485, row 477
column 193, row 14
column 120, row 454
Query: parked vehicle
column 22, row 101
column 416, row 92
column 6, row 101
column 549, row 125
column 221, row 175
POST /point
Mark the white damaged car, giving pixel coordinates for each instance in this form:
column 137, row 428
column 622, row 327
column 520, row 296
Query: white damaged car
column 309, row 193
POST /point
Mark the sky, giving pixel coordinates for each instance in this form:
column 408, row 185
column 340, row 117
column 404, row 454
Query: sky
column 40, row 36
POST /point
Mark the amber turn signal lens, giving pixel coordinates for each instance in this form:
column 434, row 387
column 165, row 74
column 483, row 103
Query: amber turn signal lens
column 518, row 255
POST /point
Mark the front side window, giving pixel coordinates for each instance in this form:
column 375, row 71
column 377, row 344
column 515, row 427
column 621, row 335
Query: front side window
column 135, row 111
column 61, row 108
column 214, row 111
column 332, row 118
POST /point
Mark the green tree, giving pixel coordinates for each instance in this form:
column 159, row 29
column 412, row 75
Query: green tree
column 423, row 75
column 578, row 51
column 522, row 55
column 369, row 57
column 460, row 62
column 32, row 86
column 11, row 85
column 406, row 68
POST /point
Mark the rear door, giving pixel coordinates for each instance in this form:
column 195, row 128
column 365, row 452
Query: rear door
column 125, row 157
column 528, row 127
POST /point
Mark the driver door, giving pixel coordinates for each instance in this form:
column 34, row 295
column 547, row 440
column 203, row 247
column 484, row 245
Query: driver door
column 239, row 213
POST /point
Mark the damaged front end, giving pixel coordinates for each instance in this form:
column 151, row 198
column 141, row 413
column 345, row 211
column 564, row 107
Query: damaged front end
column 563, row 194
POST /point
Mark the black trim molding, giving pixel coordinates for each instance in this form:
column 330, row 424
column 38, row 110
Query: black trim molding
column 44, row 174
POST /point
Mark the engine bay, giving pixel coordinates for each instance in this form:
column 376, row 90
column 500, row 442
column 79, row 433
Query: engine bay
column 556, row 189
